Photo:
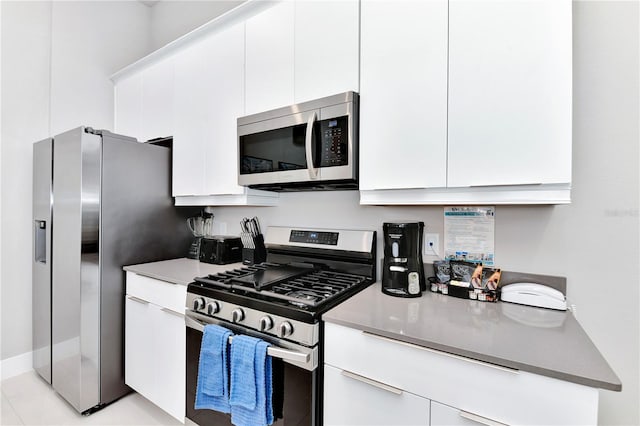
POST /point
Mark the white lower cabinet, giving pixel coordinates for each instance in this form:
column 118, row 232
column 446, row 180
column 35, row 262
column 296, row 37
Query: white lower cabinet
column 460, row 391
column 351, row 399
column 155, row 342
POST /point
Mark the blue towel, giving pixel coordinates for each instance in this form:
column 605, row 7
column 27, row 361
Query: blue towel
column 251, row 382
column 212, row 391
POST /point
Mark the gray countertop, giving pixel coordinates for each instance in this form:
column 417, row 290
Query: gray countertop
column 541, row 341
column 179, row 271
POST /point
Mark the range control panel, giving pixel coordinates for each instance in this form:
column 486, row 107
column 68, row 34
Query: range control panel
column 314, row 237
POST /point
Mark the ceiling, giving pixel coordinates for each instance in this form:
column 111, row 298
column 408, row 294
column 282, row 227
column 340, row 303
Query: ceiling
column 149, row 3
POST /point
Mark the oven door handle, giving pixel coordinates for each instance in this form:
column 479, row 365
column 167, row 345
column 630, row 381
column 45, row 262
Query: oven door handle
column 273, row 351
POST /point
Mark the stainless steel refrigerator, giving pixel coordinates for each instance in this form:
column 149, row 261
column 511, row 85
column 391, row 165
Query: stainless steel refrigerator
column 100, row 201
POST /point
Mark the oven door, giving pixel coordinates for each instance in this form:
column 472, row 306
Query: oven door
column 301, row 400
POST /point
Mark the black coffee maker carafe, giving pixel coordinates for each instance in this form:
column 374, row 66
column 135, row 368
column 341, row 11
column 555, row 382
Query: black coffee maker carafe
column 403, row 271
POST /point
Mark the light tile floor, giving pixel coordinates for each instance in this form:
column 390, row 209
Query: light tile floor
column 29, row 400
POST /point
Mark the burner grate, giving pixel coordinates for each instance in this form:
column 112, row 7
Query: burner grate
column 309, row 290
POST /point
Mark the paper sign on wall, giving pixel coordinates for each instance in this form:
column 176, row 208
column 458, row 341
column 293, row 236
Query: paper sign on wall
column 469, row 233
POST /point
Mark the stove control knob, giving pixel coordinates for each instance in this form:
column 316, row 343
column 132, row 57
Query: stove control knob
column 286, row 329
column 213, row 307
column 237, row 315
column 198, row 303
column 266, row 323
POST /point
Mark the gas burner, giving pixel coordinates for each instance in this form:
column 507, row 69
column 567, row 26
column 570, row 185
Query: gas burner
column 302, row 296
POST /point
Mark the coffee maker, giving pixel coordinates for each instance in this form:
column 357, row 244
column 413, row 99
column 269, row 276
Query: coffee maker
column 403, row 271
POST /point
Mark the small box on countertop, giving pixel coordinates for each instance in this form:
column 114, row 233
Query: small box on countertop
column 466, row 280
column 221, row 249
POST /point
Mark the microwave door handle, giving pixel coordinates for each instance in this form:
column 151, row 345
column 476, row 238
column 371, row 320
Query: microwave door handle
column 313, row 172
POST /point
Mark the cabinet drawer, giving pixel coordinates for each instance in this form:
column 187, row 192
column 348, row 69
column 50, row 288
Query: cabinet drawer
column 350, row 399
column 158, row 292
column 507, row 396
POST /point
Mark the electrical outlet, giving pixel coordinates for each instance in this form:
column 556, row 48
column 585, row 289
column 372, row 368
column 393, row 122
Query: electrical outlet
column 431, row 245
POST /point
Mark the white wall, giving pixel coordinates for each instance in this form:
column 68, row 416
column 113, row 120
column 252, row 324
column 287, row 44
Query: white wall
column 91, row 40
column 26, row 29
column 56, row 61
column 172, row 19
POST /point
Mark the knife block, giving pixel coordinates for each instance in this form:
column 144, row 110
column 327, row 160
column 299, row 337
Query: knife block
column 258, row 254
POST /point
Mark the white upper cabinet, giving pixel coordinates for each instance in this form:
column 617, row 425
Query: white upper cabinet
column 509, row 92
column 269, row 56
column 403, row 98
column 157, row 100
column 209, row 97
column 507, row 117
column 326, row 48
column 301, row 50
column 144, row 102
column 128, row 105
column 224, row 68
column 191, row 120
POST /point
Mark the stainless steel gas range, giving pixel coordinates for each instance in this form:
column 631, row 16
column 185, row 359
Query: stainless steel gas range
column 307, row 272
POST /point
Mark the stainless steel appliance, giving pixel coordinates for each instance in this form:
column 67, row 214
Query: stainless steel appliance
column 307, row 272
column 100, row 201
column 311, row 145
column 403, row 269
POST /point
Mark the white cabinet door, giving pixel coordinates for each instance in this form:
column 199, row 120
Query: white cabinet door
column 190, row 123
column 223, row 80
column 355, row 400
column 269, row 56
column 209, row 97
column 509, row 92
column 157, row 100
column 170, row 346
column 128, row 106
column 403, row 96
column 443, row 415
column 326, row 48
column 144, row 102
column 155, row 342
column 139, row 372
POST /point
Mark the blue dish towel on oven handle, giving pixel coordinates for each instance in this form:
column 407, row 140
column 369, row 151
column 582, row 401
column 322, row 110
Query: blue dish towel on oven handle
column 212, row 390
column 251, row 382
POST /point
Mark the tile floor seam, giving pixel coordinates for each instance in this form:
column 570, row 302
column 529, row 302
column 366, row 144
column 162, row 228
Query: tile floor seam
column 11, row 405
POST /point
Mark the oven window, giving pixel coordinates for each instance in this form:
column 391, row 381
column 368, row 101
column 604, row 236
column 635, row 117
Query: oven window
column 273, row 150
column 299, row 391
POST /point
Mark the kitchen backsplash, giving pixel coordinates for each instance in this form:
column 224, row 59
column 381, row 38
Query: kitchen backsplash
column 341, row 209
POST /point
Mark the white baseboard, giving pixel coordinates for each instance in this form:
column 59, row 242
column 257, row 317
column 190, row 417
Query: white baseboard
column 16, row 365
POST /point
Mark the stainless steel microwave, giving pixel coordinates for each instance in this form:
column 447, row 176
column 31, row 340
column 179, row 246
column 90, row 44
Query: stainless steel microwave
column 308, row 146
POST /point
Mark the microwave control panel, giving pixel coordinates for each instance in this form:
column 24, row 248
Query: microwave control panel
column 334, row 134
